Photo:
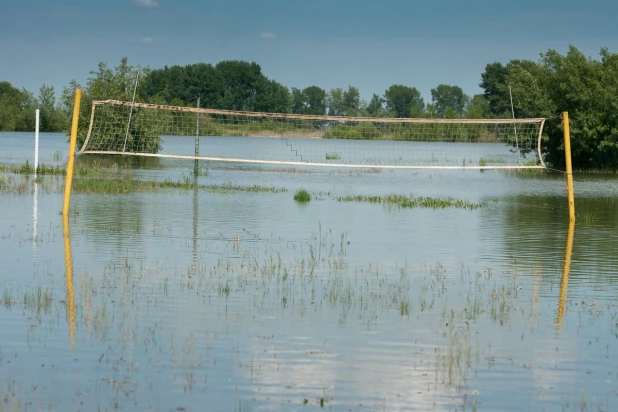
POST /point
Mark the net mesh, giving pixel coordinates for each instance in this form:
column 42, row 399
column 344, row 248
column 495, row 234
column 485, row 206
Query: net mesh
column 118, row 127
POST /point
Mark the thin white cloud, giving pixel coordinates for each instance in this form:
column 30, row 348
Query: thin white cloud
column 266, row 35
column 147, row 40
column 146, row 4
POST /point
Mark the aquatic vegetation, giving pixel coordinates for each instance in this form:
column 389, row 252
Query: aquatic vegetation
column 28, row 169
column 91, row 182
column 49, row 170
column 38, row 301
column 302, row 196
column 57, row 155
column 411, row 201
column 9, row 184
column 292, row 170
column 357, row 171
column 7, row 298
column 160, row 312
column 200, row 171
column 248, row 290
column 333, row 156
column 231, row 187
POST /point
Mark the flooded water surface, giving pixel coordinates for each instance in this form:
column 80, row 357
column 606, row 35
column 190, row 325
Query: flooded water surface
column 224, row 293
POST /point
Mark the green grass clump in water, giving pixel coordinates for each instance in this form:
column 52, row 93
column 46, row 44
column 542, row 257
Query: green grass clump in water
column 410, row 201
column 230, row 187
column 43, row 169
column 333, row 156
column 88, row 165
column 91, row 180
column 38, row 301
column 28, row 169
column 51, row 170
column 23, row 169
column 57, row 156
column 127, row 184
column 302, row 196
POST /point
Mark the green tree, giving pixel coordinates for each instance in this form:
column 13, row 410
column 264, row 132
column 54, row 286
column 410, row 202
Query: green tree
column 199, row 80
column 588, row 90
column 431, row 112
column 298, row 101
column 231, row 85
column 118, row 84
column 66, row 101
column 242, row 82
column 527, row 83
column 499, row 82
column 47, row 105
column 450, row 113
column 310, row 100
column 477, row 107
column 27, row 120
column 335, row 102
column 493, row 80
column 402, row 99
column 17, row 108
column 52, row 118
column 445, row 96
column 10, row 111
column 274, row 98
column 416, row 112
column 351, row 101
column 186, row 84
column 375, row 106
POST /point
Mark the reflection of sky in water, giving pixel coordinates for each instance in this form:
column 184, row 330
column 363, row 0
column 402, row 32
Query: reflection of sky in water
column 188, row 344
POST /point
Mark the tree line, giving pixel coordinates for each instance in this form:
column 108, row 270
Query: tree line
column 585, row 87
column 239, row 85
column 17, row 109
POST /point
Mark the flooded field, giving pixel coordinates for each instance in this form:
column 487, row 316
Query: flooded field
column 389, row 290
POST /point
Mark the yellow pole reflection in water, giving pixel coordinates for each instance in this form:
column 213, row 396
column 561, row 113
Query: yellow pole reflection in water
column 70, row 298
column 564, row 281
column 195, row 218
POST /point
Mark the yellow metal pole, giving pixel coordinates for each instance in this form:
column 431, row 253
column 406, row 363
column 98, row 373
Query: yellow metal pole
column 72, row 145
column 569, row 166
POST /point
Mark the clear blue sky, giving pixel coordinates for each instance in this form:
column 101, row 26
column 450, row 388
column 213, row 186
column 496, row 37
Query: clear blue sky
column 335, row 43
